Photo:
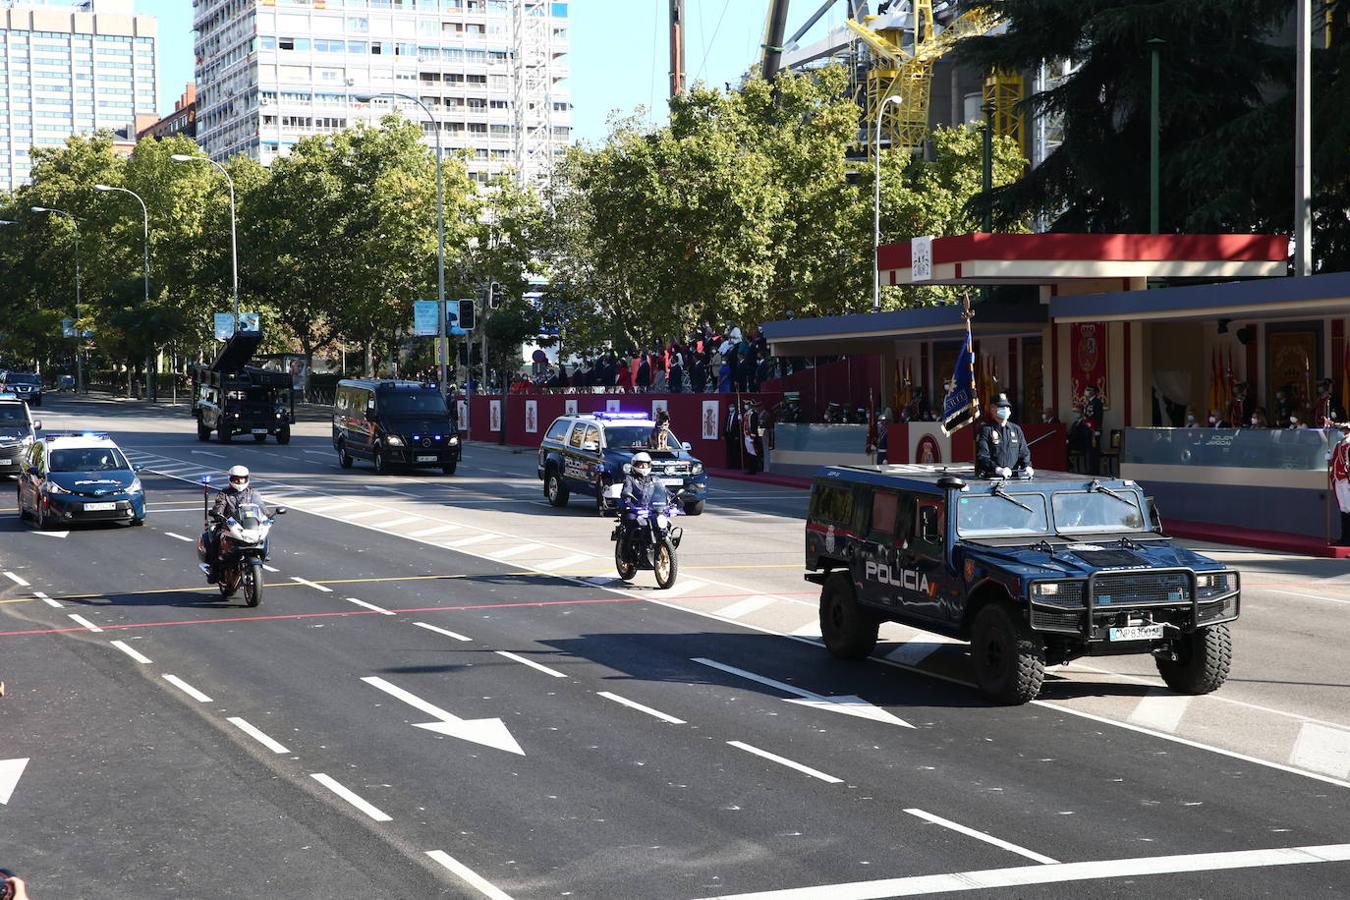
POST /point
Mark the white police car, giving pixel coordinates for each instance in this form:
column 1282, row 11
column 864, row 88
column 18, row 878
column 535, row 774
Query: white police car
column 72, row 478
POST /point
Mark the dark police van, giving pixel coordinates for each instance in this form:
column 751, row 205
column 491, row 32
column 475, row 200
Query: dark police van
column 586, row 454
column 1031, row 572
column 394, row 423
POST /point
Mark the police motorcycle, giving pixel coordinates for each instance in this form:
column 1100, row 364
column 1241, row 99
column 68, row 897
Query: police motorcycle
column 243, row 548
column 649, row 542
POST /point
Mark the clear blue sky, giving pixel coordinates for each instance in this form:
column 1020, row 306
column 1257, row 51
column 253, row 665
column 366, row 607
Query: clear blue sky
column 619, row 59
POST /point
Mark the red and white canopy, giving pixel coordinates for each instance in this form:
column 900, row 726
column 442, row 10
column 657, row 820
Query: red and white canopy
column 1049, row 259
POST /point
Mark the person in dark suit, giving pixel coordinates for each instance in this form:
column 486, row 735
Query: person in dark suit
column 1094, row 412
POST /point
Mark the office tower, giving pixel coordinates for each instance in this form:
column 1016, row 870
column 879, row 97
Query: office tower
column 492, row 72
column 71, row 69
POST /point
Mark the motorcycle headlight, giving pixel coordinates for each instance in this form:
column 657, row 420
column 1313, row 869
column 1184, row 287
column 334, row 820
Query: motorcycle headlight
column 696, row 469
column 453, row 439
column 663, row 520
column 135, row 486
column 393, row 440
column 52, row 487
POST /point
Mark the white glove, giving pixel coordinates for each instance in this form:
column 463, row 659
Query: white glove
column 1029, row 472
column 1005, row 472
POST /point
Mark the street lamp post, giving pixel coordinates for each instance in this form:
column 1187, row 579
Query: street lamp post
column 150, row 388
column 79, row 332
column 234, row 243
column 443, row 349
column 876, row 207
column 1155, row 46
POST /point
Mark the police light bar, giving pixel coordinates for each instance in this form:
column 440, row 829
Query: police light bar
column 621, row 415
column 97, row 435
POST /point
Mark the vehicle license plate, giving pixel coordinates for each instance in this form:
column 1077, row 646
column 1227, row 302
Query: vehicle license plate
column 673, row 482
column 426, row 458
column 99, row 507
column 1136, row 633
column 260, row 431
column 6, row 462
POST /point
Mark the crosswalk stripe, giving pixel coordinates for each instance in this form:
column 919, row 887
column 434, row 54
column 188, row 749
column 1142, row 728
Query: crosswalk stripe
column 1161, row 710
column 395, row 523
column 428, row 532
column 470, row 541
column 555, row 564
column 1322, row 749
column 746, row 606
column 364, row 514
column 682, row 588
column 809, row 630
column 513, row 551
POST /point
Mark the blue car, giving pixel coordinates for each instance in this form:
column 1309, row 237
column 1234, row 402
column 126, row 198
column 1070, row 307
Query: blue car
column 72, row 478
column 586, row 454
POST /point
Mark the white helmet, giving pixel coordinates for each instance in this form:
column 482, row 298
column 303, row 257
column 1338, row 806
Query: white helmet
column 640, row 459
column 239, row 478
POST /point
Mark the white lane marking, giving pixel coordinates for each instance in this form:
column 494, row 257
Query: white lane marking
column 318, row 452
column 631, row 704
column 187, row 688
column 683, row 587
column 982, row 836
column 1309, row 596
column 47, row 600
column 470, row 541
column 394, row 523
column 916, row 885
column 385, row 490
column 257, row 735
column 468, row 876
column 602, row 580
column 809, row 630
column 512, row 551
column 1160, row 709
column 351, row 797
column 16, row 579
column 269, row 568
column 205, row 453
column 562, row 563
column 318, row 587
column 805, row 770
column 1322, row 749
column 848, row 704
column 364, row 514
column 1181, row 740
column 132, row 652
column 428, row 532
column 745, row 607
column 85, row 623
column 326, row 508
column 178, row 537
column 370, row 606
column 11, row 770
column 531, row 663
column 449, row 634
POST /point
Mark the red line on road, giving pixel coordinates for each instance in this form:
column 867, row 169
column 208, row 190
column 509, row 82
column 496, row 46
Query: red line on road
column 345, row 613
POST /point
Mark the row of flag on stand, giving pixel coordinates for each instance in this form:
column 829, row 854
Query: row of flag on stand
column 1222, row 379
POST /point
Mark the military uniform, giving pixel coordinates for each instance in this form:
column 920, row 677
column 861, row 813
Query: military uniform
column 1000, row 445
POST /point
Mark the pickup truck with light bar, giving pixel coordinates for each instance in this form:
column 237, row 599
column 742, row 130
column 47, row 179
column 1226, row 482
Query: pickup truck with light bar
column 1031, row 572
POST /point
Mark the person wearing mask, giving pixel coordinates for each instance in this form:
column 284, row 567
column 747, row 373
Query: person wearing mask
column 624, row 377
column 1001, row 448
column 225, row 507
column 698, row 374
column 1258, row 419
column 1048, row 417
column 724, row 376
column 1190, row 421
column 641, row 490
column 1325, row 411
column 1295, row 423
column 1216, row 419
column 675, row 381
column 644, row 375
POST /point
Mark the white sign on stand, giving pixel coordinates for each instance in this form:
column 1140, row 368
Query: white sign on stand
column 921, row 259
column 462, row 407
column 711, row 412
column 569, row 407
column 494, row 415
column 532, row 416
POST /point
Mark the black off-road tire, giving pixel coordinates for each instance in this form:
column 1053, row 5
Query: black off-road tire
column 554, row 488
column 848, row 630
column 203, row 432
column 694, row 509
column 223, row 433
column 449, row 468
column 253, row 585
column 284, row 436
column 1202, row 663
column 1008, row 657
column 381, row 464
column 344, row 458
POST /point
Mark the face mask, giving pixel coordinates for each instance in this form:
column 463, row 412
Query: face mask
column 1293, row 420
column 1254, row 422
column 1213, row 420
column 1003, row 413
column 1190, row 420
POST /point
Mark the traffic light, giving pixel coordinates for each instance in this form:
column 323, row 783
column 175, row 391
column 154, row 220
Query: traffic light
column 494, row 295
column 468, row 314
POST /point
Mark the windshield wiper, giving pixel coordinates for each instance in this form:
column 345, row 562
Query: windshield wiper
column 1000, row 491
column 1098, row 486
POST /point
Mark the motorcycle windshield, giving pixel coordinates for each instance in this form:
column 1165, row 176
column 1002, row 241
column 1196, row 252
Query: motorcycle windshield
column 250, row 516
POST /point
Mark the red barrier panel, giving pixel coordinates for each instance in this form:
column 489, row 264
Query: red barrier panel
column 690, row 416
column 1049, row 453
column 844, row 381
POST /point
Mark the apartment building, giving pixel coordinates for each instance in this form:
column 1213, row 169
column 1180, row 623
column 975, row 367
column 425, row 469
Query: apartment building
column 71, row 69
column 492, row 74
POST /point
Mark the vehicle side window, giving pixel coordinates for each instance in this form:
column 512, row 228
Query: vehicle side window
column 832, row 505
column 35, row 456
column 929, row 529
column 557, row 431
column 592, row 436
column 575, row 442
column 881, row 528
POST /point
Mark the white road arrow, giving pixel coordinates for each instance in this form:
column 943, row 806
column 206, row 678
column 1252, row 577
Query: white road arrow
column 488, row 732
column 11, row 770
column 59, row 534
column 849, row 705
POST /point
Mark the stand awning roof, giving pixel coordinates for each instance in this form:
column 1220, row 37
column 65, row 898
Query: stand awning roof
column 1313, row 296
column 878, row 332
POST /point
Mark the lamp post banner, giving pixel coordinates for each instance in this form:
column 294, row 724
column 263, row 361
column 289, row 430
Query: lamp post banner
column 224, row 324
column 426, row 319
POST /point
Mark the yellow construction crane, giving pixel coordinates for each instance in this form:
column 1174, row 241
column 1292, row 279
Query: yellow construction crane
column 907, row 73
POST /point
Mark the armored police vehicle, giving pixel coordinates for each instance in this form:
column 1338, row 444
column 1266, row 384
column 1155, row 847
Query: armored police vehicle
column 1031, row 572
column 232, row 397
column 586, row 454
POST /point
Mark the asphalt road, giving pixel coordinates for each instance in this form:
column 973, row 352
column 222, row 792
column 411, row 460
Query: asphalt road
column 592, row 740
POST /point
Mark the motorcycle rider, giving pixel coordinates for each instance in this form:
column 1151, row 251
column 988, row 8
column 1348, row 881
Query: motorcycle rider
column 226, row 506
column 640, row 490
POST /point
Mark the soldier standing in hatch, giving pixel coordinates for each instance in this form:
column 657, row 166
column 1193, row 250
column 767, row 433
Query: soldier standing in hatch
column 1001, row 447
